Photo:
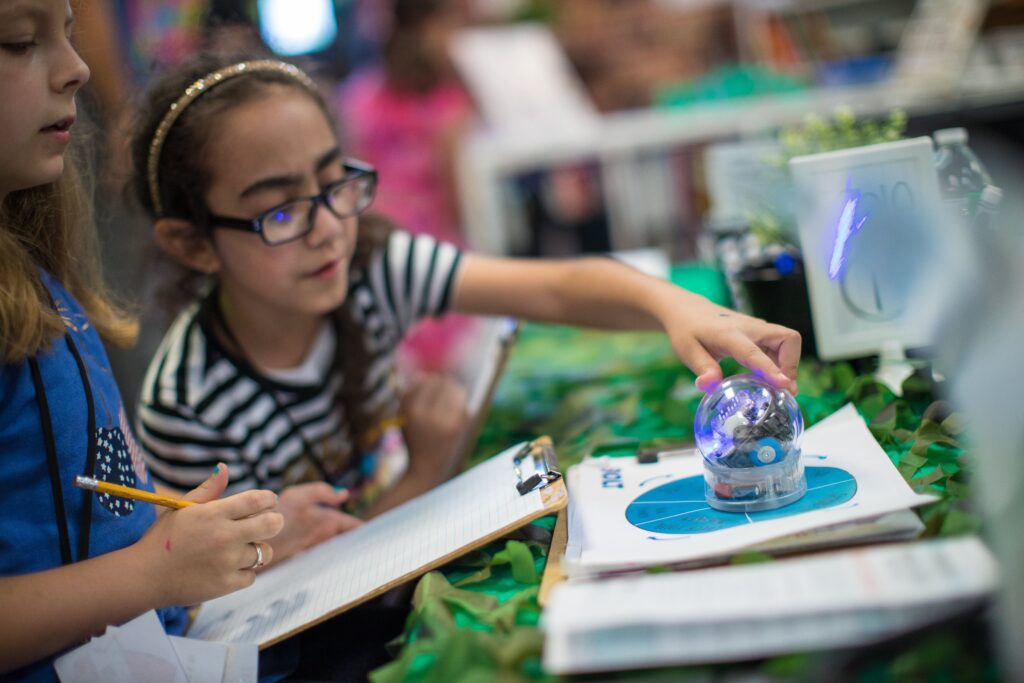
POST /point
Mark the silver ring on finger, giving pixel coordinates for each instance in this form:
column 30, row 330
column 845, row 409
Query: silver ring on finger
column 259, row 555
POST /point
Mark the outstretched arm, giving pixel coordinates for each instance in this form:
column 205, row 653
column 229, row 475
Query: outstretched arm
column 601, row 292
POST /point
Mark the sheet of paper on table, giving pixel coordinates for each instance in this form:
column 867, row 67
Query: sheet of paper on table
column 140, row 650
column 625, row 516
column 829, row 600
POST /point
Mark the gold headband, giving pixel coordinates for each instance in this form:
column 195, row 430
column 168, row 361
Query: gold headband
column 192, row 92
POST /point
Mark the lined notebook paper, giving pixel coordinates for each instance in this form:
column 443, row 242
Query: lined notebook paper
column 461, row 514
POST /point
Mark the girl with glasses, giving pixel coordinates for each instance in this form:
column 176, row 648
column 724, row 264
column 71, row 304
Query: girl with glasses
column 281, row 362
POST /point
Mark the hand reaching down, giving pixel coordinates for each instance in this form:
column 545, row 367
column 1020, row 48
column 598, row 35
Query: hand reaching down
column 710, row 332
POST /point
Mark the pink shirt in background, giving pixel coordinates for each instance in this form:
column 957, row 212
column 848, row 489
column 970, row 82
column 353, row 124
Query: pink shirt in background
column 407, row 136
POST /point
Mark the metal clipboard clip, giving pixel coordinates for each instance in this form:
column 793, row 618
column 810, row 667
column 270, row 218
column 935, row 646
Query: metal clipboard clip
column 535, row 465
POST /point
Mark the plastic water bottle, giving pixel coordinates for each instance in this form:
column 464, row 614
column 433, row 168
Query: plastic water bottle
column 962, row 177
column 988, row 204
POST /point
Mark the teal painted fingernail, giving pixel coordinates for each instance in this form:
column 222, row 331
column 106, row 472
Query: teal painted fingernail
column 340, row 489
column 216, row 469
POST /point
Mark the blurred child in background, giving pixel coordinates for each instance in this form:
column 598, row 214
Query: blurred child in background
column 405, row 117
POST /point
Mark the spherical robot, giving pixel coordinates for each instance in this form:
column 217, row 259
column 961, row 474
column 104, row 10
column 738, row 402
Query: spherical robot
column 749, row 434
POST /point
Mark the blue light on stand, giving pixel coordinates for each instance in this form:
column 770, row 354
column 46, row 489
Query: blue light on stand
column 844, row 231
column 749, row 434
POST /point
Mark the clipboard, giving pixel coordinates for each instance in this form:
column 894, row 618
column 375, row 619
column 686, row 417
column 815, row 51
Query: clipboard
column 484, row 503
column 500, row 336
column 554, row 574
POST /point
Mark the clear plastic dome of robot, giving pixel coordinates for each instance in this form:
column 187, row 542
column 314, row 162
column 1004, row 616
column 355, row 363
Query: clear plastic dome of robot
column 749, row 434
column 747, row 422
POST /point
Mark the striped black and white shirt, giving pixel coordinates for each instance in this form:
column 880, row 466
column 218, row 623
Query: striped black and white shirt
column 200, row 405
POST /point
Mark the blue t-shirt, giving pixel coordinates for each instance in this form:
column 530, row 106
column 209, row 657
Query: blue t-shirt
column 29, row 528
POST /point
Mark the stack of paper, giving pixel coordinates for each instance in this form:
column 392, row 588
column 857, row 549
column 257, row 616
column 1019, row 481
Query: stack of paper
column 140, row 650
column 828, row 600
column 625, row 516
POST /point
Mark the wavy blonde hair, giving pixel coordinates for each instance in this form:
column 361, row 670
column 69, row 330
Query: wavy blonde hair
column 51, row 227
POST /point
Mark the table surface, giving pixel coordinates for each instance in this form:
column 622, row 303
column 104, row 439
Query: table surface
column 609, row 393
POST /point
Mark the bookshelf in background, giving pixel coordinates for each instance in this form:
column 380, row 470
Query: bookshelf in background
column 810, row 56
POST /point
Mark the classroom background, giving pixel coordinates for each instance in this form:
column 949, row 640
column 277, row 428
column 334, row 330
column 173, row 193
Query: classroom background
column 653, row 129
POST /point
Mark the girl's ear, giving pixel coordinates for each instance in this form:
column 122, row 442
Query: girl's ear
column 183, row 241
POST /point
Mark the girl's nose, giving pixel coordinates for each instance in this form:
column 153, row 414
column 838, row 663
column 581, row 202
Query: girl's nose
column 327, row 227
column 70, row 72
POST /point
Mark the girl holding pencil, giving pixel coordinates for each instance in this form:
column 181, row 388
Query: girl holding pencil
column 73, row 562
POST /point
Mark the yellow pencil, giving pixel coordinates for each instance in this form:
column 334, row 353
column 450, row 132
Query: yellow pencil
column 100, row 486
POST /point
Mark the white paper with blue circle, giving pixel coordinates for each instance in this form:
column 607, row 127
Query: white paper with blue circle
column 626, row 515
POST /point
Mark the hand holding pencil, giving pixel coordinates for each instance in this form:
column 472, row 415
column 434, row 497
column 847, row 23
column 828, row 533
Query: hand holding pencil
column 208, row 546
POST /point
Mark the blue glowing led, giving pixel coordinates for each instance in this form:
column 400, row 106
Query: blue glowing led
column 845, row 229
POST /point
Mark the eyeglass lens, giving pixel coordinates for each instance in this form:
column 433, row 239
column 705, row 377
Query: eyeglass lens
column 294, row 219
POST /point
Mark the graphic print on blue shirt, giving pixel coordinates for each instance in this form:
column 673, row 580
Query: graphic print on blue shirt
column 118, row 461
column 115, row 465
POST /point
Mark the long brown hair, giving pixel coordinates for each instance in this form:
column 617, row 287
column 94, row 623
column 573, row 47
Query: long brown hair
column 51, row 227
column 184, row 176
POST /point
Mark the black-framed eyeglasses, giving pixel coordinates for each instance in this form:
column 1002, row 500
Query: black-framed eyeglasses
column 295, row 218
